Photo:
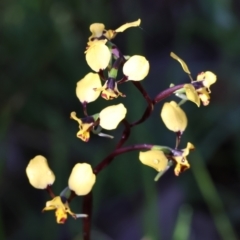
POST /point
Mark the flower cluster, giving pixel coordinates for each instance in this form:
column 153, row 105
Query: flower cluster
column 175, row 119
column 102, row 54
column 81, row 181
column 105, row 60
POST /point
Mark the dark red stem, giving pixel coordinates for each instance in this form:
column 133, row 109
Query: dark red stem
column 101, row 75
column 125, row 133
column 87, row 200
column 107, row 160
column 166, row 93
column 84, row 104
column 178, row 138
column 50, row 191
column 149, row 108
column 162, row 95
column 87, row 208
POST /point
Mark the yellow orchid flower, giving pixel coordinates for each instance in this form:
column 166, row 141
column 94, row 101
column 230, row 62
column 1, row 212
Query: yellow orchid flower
column 201, row 93
column 85, row 88
column 173, row 117
column 208, row 78
column 85, row 126
column 61, row 209
column 39, row 174
column 136, row 68
column 81, row 179
column 111, row 116
column 155, row 159
column 98, row 55
column 181, row 160
column 98, row 30
column 109, row 90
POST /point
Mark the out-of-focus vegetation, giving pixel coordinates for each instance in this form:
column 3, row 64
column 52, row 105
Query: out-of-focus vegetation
column 42, row 47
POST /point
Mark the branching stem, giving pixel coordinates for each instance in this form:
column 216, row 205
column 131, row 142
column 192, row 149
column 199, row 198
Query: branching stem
column 120, row 150
column 107, row 160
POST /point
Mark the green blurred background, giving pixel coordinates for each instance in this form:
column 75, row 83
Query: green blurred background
column 42, row 47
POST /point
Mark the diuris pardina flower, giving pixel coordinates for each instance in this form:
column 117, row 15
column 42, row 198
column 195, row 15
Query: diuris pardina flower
column 198, row 90
column 173, row 117
column 161, row 160
column 202, row 92
column 81, row 181
column 108, row 119
column 180, row 158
